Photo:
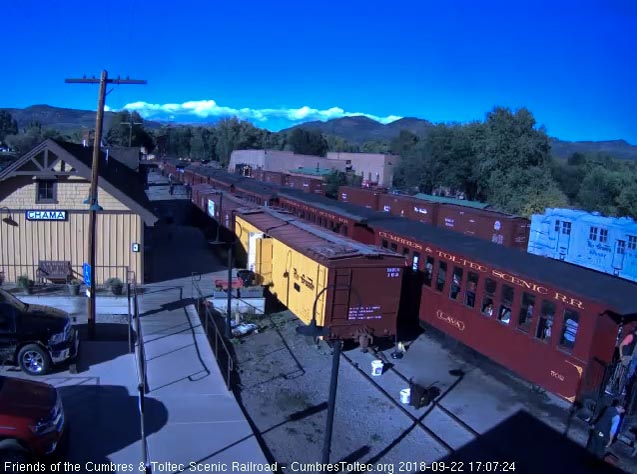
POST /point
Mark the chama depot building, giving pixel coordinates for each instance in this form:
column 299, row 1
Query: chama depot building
column 44, row 218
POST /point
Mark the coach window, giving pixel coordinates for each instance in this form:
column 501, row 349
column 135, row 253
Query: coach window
column 470, row 294
column 429, row 270
column 456, row 283
column 504, row 316
column 547, row 314
column 406, row 252
column 592, row 235
column 415, row 261
column 557, row 226
column 569, row 331
column 442, row 276
column 566, row 228
column 344, row 230
column 384, row 244
column 393, row 247
column 632, row 242
column 603, row 235
column 490, row 287
column 526, row 311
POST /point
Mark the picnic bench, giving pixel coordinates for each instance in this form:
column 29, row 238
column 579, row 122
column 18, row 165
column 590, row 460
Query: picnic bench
column 56, row 271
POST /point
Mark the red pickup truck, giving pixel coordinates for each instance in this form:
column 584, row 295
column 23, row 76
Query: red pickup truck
column 32, row 422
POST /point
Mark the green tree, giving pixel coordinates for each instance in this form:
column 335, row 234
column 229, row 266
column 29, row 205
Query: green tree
column 308, row 142
column 333, row 181
column 127, row 129
column 337, row 144
column 375, row 146
column 8, row 126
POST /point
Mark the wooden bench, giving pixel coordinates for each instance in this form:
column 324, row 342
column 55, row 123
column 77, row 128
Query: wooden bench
column 56, row 271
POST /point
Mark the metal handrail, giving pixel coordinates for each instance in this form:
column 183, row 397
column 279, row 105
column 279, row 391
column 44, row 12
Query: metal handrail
column 217, row 332
column 141, row 368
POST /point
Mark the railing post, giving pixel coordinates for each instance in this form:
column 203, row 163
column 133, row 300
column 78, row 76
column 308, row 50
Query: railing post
column 130, row 318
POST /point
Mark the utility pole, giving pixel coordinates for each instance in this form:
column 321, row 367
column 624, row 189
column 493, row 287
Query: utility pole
column 92, row 199
column 130, row 125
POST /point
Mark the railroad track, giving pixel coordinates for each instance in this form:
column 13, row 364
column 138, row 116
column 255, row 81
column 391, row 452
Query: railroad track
column 439, row 423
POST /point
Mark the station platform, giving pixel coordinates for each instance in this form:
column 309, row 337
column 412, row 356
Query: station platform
column 190, row 415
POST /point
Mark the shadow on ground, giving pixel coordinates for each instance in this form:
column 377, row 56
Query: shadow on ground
column 113, row 417
column 532, row 446
column 178, row 251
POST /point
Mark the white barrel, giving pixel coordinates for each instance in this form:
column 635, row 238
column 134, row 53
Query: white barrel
column 405, row 395
column 377, row 367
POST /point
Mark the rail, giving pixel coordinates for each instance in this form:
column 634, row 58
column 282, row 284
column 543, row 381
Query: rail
column 134, row 318
column 214, row 333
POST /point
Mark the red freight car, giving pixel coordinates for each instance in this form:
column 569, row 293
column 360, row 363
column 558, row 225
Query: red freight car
column 552, row 323
column 364, row 197
column 409, row 207
column 219, row 205
column 306, row 184
column 499, row 228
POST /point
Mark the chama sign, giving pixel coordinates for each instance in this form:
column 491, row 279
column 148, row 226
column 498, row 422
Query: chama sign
column 46, row 215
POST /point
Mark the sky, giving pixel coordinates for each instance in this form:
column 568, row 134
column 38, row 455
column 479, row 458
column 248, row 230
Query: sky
column 572, row 63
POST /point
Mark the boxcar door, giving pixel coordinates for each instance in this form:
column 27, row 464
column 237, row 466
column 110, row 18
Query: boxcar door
column 252, row 248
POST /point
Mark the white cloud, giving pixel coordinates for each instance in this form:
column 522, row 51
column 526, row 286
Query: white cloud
column 210, row 109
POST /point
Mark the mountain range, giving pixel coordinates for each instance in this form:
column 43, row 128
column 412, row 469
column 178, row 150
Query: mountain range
column 356, row 130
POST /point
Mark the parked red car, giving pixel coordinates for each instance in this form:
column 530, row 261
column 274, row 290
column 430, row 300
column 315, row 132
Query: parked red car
column 32, row 421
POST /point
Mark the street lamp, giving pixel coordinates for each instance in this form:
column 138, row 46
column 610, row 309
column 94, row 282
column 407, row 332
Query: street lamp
column 9, row 219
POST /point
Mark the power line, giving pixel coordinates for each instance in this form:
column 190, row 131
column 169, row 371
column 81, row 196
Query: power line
column 130, row 125
column 92, row 199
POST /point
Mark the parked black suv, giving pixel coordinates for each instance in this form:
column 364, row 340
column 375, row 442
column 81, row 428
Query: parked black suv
column 35, row 337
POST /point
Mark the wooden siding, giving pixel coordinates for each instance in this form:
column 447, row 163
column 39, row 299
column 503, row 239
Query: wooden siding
column 24, row 245
column 20, row 193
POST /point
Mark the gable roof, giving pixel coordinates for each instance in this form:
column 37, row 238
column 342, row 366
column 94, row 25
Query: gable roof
column 114, row 177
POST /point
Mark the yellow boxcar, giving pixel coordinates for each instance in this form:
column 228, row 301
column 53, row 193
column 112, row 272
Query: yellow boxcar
column 351, row 289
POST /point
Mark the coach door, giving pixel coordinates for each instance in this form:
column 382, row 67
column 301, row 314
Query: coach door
column 618, row 256
column 252, row 248
column 563, row 229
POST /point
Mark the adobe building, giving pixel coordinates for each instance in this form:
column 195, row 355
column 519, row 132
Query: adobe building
column 281, row 161
column 44, row 218
column 376, row 169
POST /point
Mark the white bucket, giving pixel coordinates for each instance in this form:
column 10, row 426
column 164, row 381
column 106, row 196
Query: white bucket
column 405, row 395
column 377, row 367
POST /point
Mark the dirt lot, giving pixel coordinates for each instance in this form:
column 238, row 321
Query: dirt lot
column 479, row 415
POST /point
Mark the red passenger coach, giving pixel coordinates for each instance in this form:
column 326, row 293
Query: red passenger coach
column 343, row 218
column 552, row 323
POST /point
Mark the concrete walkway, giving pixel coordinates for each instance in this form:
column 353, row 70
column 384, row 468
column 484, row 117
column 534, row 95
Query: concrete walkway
column 205, row 423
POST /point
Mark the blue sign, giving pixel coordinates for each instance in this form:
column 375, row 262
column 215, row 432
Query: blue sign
column 87, row 274
column 46, row 215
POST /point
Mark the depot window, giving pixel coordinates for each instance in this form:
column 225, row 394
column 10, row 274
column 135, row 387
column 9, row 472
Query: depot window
column 526, row 311
column 490, row 287
column 456, row 283
column 504, row 315
column 442, row 276
column 46, row 192
column 545, row 325
column 472, row 285
column 566, row 228
column 569, row 331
